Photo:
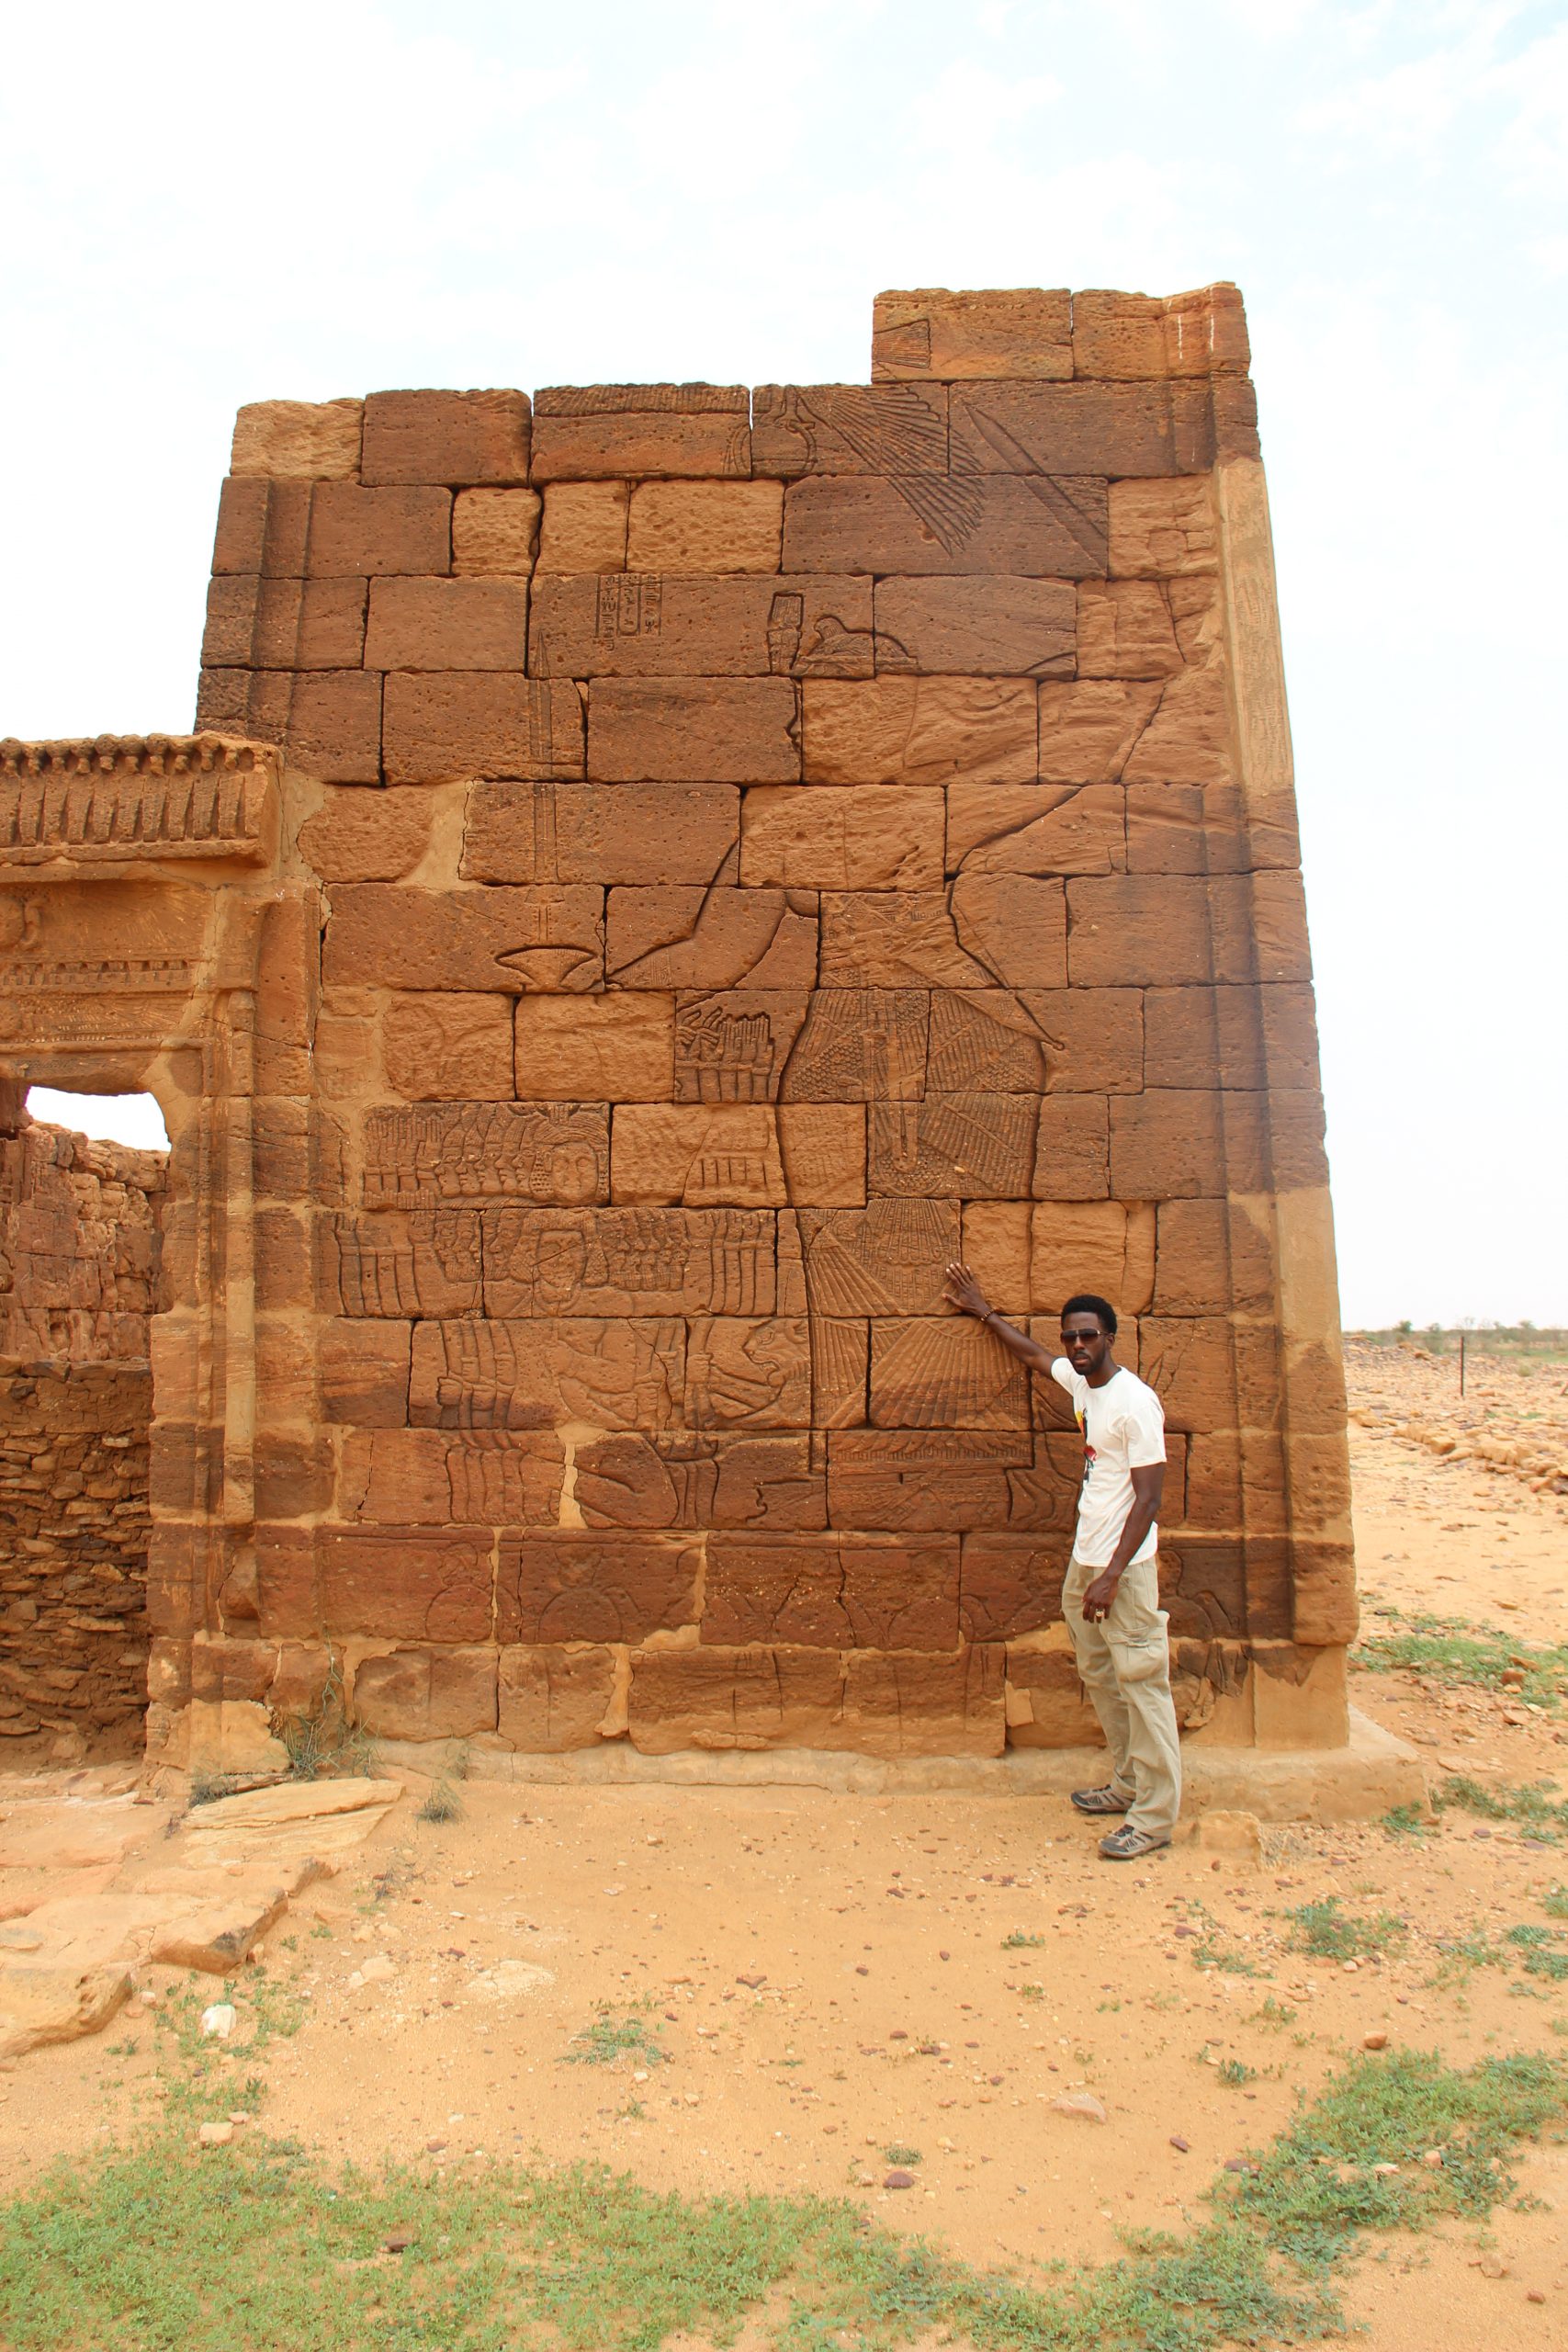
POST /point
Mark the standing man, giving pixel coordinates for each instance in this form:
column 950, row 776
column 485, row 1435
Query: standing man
column 1111, row 1599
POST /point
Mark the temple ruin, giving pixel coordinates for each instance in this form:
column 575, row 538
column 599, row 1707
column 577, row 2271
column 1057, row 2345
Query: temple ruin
column 662, row 869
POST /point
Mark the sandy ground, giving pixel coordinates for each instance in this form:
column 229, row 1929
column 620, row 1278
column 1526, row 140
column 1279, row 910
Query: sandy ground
column 829, row 1976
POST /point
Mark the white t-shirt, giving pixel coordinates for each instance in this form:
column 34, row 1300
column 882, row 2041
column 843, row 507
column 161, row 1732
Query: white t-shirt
column 1124, row 1430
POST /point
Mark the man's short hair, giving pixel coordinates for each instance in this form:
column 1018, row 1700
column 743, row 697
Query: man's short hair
column 1086, row 1302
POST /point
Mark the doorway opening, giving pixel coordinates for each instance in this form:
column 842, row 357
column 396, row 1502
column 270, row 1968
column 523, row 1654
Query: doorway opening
column 83, row 1183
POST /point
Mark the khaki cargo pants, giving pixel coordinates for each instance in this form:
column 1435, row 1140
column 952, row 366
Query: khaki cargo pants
column 1124, row 1665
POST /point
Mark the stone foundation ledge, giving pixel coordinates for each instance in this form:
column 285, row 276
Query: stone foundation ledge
column 1372, row 1773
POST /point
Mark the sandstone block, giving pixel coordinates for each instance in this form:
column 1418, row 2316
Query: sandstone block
column 995, row 1245
column 1009, row 1586
column 918, row 730
column 1047, row 1705
column 432, row 1478
column 448, row 1047
column 1093, row 1038
column 305, row 440
column 1124, row 629
column 502, row 940
column 1014, row 924
column 953, row 1146
column 895, row 939
column 1161, row 530
column 686, row 1479
column 1036, row 828
column 1072, row 1149
column 638, row 624
column 870, row 836
column 1174, row 1143
column 559, row 1587
column 262, row 526
column 837, row 1592
column 614, row 1373
column 887, row 1259
column 705, row 527
column 946, row 1372
column 1124, row 430
column 984, row 628
column 700, row 730
column 849, row 429
column 415, row 1583
column 1173, row 930
column 1104, row 1246
column 1016, row 332
column 436, row 436
column 629, row 1262
column 494, row 533
column 689, row 938
column 1232, row 1036
column 1089, row 732
column 426, row 1695
column 617, row 1049
column 1040, row 526
column 646, row 431
column 1323, row 1590
column 443, row 726
column 584, row 527
column 327, row 722
column 1205, row 332
column 735, row 1699
column 954, row 1480
column 355, row 533
column 1121, row 336
column 449, row 625
column 1188, row 739
column 927, row 1706
column 749, row 1155
column 1214, row 1255
column 366, row 837
column 649, row 834
column 552, row 1700
column 984, row 1040
column 364, row 1374
column 254, row 623
column 472, row 1154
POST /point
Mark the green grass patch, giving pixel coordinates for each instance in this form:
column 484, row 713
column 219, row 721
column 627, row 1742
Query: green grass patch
column 1018, row 1941
column 1534, row 1806
column 1449, row 1653
column 897, row 2154
column 616, row 2034
column 1328, row 1932
column 1543, row 1951
column 1235, row 2072
column 1554, row 1902
column 255, row 2247
column 1407, row 1821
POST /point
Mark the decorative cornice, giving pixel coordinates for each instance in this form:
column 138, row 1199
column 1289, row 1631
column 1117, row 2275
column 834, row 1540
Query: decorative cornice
column 123, row 799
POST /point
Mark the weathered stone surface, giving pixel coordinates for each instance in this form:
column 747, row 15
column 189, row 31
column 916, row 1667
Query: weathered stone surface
column 1231, row 1036
column 426, row 1695
column 584, row 527
column 561, row 1588
column 751, row 1155
column 735, row 1699
column 1040, row 526
column 836, row 1592
column 255, row 623
column 688, row 1478
column 473, row 1154
column 953, row 1146
column 449, row 1047
column 1089, row 732
column 1040, row 429
column 327, row 722
column 413, row 1584
column 894, row 939
column 619, row 1047
column 1104, row 1246
column 450, row 625
column 628, row 1262
column 495, row 532
column 984, row 628
column 452, row 437
column 1014, row 927
column 356, row 532
column 303, row 440
column 361, row 837
column 508, row 941
column 430, row 1479
column 1161, row 530
column 866, row 837
column 932, row 332
column 918, row 730
column 613, row 1372
column 444, row 724
column 704, row 527
column 551, row 1700
column 928, row 1373
column 675, row 938
column 703, row 730
column 1036, row 828
column 601, row 833
column 848, row 429
column 1124, row 629
column 638, row 624
column 902, row 1705
column 1176, row 930
column 659, row 431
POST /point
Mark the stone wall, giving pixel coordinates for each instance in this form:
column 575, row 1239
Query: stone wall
column 734, row 851
column 79, row 1258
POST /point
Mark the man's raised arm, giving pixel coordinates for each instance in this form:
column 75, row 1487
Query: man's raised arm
column 965, row 1293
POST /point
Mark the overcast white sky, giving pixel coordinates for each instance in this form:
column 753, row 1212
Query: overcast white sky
column 205, row 206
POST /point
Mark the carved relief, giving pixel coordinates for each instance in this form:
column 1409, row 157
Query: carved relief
column 470, row 1152
column 950, row 1374
column 860, row 1045
column 422, row 1263
column 570, row 1587
column 628, row 1262
column 204, row 798
column 743, row 1374
column 886, row 1258
column 734, row 1048
column 986, row 1041
column 622, row 1372
column 974, row 1146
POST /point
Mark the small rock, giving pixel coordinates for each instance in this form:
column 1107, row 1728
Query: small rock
column 1183, row 2147
column 1348, row 1967
column 1082, row 2104
column 435, row 2146
column 752, row 1978
column 238, row 2115
column 1383, row 2171
column 214, row 2135
column 861, row 1969
column 217, row 2022
column 897, row 2035
column 1492, row 2265
column 376, row 1969
column 399, row 2243
column 944, row 1955
column 1433, row 2160
column 898, row 2178
column 1375, row 2041
column 1535, row 2296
